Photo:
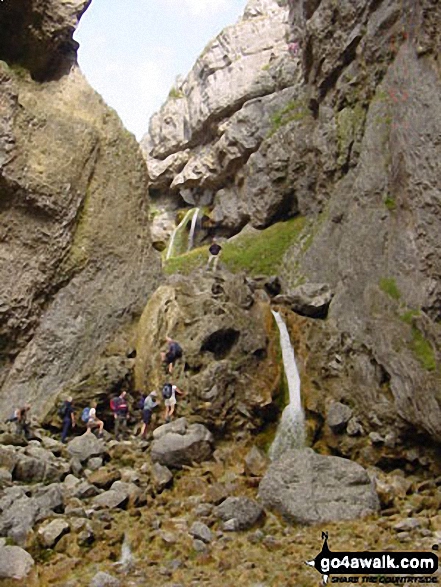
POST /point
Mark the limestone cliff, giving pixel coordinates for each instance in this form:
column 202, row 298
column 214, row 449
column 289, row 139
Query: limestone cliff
column 76, row 264
column 347, row 136
column 200, row 140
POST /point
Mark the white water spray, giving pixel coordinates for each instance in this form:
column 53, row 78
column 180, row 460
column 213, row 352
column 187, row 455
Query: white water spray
column 180, row 225
column 291, row 430
column 192, row 229
column 127, row 559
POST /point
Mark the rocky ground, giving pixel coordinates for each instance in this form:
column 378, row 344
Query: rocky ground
column 101, row 513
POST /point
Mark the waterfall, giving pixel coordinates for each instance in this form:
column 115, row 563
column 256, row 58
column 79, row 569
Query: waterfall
column 192, row 229
column 291, row 430
column 176, row 230
column 126, row 561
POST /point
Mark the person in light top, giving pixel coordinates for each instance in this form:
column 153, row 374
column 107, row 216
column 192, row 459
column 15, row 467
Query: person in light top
column 94, row 422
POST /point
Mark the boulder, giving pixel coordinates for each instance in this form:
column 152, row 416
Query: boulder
column 86, row 446
column 18, row 520
column 15, row 563
column 103, row 478
column 308, row 488
column 309, row 299
column 338, row 416
column 174, row 449
column 49, row 534
column 240, row 513
column 111, row 499
column 201, row 531
column 256, row 462
column 95, row 463
column 162, row 476
column 32, row 470
column 8, row 458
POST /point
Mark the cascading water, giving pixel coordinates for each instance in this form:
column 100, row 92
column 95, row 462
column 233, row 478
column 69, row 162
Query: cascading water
column 175, row 232
column 127, row 559
column 192, row 229
column 291, row 430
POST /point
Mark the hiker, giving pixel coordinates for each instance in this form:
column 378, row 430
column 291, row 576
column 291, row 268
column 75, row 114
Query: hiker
column 68, row 416
column 169, row 392
column 89, row 415
column 174, row 351
column 21, row 423
column 120, row 410
column 150, row 403
column 214, row 253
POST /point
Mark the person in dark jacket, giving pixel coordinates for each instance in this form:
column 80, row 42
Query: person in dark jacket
column 22, row 421
column 120, row 410
column 68, row 419
column 214, row 251
column 174, row 352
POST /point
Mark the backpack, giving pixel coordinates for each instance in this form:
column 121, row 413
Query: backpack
column 85, row 414
column 149, row 403
column 62, row 410
column 114, row 403
column 176, row 349
column 167, row 391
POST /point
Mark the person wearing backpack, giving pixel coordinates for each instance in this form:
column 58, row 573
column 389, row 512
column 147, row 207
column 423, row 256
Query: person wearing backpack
column 150, row 403
column 67, row 415
column 89, row 415
column 169, row 392
column 120, row 410
column 214, row 253
column 174, row 352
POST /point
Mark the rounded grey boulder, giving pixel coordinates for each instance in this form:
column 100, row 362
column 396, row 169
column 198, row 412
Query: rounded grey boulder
column 308, row 488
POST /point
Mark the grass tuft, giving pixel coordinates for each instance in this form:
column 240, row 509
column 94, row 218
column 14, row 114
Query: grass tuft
column 389, row 286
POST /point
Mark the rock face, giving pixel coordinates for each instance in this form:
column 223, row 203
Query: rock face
column 75, row 259
column 228, row 369
column 345, row 134
column 307, row 488
column 204, row 134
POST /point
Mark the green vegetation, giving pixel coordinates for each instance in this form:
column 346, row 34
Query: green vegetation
column 258, row 253
column 389, row 286
column 409, row 315
column 294, row 110
column 390, row 203
column 175, row 94
column 423, row 350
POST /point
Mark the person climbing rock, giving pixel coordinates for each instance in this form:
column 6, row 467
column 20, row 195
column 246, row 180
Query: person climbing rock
column 174, row 352
column 169, row 392
column 93, row 421
column 120, row 410
column 68, row 416
column 22, row 421
column 214, row 251
column 150, row 403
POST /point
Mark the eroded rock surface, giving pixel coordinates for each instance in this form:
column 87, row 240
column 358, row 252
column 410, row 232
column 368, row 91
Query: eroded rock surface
column 75, row 259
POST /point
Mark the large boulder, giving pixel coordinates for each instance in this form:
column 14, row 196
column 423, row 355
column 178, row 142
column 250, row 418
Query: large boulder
column 86, row 446
column 177, row 445
column 308, row 488
column 15, row 563
column 49, row 534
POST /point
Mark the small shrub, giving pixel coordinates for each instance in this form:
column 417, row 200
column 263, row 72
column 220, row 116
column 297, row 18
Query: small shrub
column 390, row 203
column 423, row 350
column 175, row 94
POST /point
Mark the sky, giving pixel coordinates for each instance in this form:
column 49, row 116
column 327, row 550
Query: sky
column 131, row 51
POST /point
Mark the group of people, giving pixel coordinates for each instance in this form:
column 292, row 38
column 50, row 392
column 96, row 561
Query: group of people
column 119, row 405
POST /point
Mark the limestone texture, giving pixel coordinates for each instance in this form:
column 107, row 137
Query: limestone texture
column 308, row 488
column 76, row 265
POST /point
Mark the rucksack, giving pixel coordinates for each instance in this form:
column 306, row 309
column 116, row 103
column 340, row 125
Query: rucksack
column 62, row 410
column 167, row 391
column 85, row 414
column 114, row 403
column 176, row 349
